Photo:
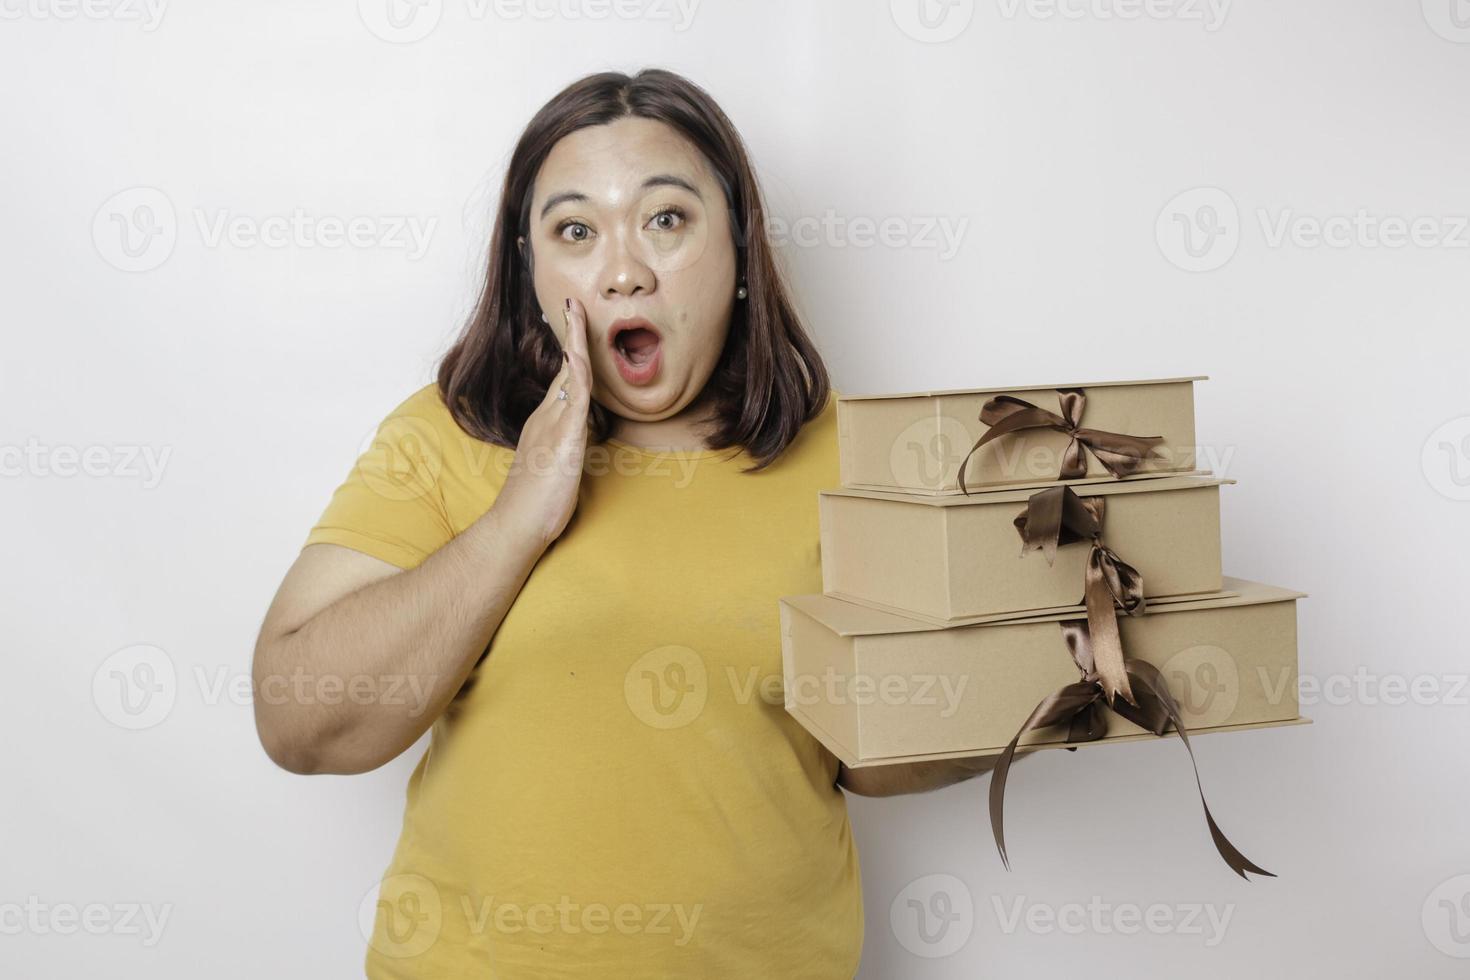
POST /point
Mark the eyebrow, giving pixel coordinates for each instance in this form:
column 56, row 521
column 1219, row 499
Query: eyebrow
column 657, row 180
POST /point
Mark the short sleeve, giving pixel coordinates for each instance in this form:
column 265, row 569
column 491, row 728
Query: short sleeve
column 392, row 503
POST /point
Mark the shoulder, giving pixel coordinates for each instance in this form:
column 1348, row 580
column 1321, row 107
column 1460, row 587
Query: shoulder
column 422, row 425
column 814, row 450
column 419, row 428
column 425, row 404
column 825, row 421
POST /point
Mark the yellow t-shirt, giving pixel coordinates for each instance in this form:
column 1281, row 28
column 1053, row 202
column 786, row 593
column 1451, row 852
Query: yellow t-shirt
column 617, row 791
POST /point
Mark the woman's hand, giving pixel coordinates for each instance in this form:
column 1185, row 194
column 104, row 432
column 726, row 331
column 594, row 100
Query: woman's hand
column 540, row 492
column 918, row 777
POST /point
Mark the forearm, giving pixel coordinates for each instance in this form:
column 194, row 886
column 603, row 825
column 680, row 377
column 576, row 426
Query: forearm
column 362, row 679
column 917, row 777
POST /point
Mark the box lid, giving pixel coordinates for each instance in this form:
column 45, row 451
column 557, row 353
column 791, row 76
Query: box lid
column 852, row 619
column 1017, row 615
column 1007, row 495
column 837, row 749
column 1004, row 388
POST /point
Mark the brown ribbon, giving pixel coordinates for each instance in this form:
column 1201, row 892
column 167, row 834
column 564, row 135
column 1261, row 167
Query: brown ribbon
column 1080, row 704
column 1057, row 516
column 1120, row 454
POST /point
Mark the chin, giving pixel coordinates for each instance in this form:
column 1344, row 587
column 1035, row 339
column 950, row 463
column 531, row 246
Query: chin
column 649, row 403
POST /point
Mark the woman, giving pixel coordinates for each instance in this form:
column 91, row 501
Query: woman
column 565, row 557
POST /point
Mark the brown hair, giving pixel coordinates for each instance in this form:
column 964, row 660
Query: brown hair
column 769, row 380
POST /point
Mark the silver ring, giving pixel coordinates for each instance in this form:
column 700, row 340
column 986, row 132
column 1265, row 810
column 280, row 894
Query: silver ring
column 561, row 395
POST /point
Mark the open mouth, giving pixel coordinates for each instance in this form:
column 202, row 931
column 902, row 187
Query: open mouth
column 637, row 344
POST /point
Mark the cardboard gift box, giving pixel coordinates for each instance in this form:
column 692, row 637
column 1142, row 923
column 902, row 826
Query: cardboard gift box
column 956, row 560
column 914, row 442
column 877, row 688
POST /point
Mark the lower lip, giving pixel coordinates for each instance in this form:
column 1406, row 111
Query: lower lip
column 639, row 374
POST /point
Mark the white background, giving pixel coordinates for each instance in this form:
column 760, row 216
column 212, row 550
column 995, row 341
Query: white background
column 1059, row 146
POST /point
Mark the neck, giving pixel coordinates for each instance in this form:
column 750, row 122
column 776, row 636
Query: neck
column 677, row 432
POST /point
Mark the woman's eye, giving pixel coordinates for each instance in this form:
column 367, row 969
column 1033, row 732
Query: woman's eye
column 668, row 219
column 562, row 230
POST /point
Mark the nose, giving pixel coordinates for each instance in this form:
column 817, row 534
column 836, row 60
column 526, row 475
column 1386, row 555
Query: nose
column 626, row 274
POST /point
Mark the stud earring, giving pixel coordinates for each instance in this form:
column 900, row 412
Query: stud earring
column 543, row 318
column 740, row 293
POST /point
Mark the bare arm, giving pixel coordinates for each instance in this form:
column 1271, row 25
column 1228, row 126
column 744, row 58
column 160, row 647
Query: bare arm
column 357, row 658
column 917, row 777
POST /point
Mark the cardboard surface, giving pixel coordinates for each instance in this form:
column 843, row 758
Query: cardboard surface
column 916, row 622
column 847, row 618
column 915, row 441
column 1005, row 389
column 1019, row 495
column 882, row 689
column 837, row 750
column 1088, row 481
column 955, row 560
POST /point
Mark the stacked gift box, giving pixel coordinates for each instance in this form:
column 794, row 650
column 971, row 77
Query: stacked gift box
column 1048, row 557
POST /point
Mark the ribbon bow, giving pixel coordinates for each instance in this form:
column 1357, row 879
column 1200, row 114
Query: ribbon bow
column 1057, row 516
column 1120, row 454
column 1080, row 704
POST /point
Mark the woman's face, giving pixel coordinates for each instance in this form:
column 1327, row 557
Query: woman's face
column 628, row 218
